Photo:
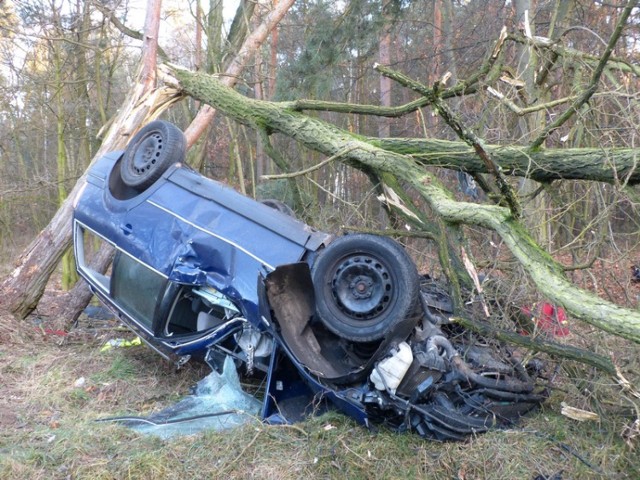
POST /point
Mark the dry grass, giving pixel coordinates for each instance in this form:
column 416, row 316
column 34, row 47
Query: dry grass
column 47, row 427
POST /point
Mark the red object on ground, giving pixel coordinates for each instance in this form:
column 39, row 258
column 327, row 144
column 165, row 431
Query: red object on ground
column 50, row 331
column 549, row 319
column 553, row 319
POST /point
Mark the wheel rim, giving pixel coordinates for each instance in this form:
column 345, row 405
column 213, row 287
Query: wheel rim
column 147, row 153
column 362, row 287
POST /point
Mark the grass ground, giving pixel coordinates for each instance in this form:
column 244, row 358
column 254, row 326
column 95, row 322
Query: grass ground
column 47, row 427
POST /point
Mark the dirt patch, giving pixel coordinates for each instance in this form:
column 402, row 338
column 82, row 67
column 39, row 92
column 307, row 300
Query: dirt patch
column 8, row 417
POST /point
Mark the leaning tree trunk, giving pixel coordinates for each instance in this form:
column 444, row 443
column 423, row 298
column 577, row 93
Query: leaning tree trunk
column 317, row 135
column 21, row 290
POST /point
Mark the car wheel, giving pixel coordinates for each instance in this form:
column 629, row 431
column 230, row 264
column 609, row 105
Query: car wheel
column 156, row 147
column 365, row 285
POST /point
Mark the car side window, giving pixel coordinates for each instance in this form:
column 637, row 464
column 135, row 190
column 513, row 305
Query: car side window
column 136, row 288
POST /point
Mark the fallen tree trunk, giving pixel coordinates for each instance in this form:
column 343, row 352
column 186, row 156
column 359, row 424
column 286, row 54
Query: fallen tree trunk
column 318, row 135
column 609, row 165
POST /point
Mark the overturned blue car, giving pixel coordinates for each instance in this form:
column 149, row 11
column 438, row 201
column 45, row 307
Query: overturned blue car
column 200, row 271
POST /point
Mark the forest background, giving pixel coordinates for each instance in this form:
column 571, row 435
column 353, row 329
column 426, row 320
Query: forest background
column 67, row 68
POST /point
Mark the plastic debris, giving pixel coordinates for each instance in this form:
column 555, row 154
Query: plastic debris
column 548, row 318
column 120, row 343
column 219, row 403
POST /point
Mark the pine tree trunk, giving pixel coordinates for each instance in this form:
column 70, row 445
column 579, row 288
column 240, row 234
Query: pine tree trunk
column 21, row 290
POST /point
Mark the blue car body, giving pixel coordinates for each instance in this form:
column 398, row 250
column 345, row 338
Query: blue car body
column 200, row 270
column 193, row 230
column 190, row 230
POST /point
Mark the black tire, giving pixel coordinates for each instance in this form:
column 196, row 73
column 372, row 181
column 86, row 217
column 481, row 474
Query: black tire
column 156, row 147
column 364, row 285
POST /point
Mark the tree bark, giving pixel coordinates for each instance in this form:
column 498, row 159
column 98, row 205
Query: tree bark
column 317, row 135
column 236, row 65
column 384, row 47
column 21, row 290
column 609, row 165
